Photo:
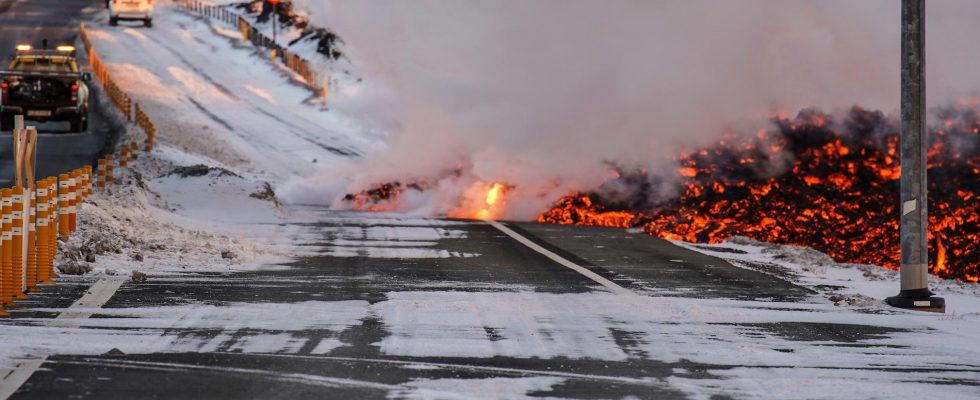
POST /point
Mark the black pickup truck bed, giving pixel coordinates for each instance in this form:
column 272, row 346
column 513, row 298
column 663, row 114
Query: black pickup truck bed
column 40, row 96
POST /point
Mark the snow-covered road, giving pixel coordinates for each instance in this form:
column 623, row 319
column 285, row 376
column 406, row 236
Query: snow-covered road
column 219, row 99
column 245, row 298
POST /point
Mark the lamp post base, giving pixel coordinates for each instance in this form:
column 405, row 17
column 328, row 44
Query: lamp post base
column 919, row 300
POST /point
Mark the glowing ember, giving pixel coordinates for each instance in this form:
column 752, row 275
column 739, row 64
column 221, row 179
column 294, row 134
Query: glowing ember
column 831, row 185
column 382, row 198
column 579, row 209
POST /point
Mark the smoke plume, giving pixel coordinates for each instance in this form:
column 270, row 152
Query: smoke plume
column 545, row 95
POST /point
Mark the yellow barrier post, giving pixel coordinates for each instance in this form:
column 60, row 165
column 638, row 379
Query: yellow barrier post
column 108, row 168
column 32, row 250
column 43, row 230
column 88, row 182
column 101, row 172
column 6, row 254
column 17, row 241
column 124, row 157
column 53, row 214
column 83, row 188
column 63, row 206
column 73, row 178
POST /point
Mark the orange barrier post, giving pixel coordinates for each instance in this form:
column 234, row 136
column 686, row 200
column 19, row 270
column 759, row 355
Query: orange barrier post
column 73, row 178
column 108, row 168
column 124, row 157
column 89, row 182
column 32, row 250
column 102, row 172
column 53, row 213
column 43, row 230
column 63, row 207
column 17, row 242
column 134, row 149
column 86, row 186
column 6, row 254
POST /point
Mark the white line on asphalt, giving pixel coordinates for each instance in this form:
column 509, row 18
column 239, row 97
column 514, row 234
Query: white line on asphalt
column 469, row 367
column 94, row 298
column 291, row 377
column 612, row 286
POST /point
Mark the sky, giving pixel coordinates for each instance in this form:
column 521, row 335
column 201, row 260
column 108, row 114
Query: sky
column 543, row 95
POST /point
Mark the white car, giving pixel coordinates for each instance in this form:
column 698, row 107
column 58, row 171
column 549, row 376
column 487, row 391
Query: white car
column 131, row 10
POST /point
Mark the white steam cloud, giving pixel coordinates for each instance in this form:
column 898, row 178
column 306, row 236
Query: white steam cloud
column 541, row 94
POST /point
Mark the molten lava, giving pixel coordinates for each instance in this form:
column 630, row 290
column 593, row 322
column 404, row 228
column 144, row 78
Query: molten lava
column 813, row 181
column 482, row 201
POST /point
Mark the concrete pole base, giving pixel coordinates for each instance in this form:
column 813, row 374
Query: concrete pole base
column 919, row 300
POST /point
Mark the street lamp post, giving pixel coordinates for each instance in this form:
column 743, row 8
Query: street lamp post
column 914, row 219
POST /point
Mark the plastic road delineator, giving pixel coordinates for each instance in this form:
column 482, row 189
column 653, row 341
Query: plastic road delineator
column 64, row 183
column 17, row 242
column 6, row 236
column 43, row 230
column 32, row 241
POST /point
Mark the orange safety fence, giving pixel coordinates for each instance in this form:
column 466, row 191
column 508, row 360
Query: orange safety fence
column 294, row 62
column 33, row 218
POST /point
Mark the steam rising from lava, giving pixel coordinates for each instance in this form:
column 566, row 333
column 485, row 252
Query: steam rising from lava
column 545, row 96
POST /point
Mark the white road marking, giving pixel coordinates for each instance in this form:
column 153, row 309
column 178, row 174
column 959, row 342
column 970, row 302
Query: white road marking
column 474, row 368
column 94, row 298
column 608, row 284
column 290, row 377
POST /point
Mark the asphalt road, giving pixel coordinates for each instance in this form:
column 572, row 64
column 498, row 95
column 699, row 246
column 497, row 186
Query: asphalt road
column 31, row 21
column 386, row 303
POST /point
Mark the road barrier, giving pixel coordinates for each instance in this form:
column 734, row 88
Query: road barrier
column 35, row 213
column 148, row 127
column 129, row 109
column 294, row 62
column 34, row 216
column 116, row 95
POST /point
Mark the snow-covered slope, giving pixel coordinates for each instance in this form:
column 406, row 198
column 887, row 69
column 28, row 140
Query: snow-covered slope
column 217, row 98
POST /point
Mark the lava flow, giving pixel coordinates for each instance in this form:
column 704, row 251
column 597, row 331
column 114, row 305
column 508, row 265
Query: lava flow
column 812, row 181
column 482, row 201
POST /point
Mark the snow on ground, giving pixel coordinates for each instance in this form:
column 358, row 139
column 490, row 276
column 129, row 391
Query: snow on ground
column 216, row 97
column 201, row 203
column 230, row 131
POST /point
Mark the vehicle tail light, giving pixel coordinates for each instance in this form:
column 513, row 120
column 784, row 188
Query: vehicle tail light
column 3, row 91
column 74, row 92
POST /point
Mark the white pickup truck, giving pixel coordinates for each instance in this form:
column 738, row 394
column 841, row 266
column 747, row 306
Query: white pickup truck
column 131, row 10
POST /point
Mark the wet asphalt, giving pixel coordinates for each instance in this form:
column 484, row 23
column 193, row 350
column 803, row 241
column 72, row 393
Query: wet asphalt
column 359, row 369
